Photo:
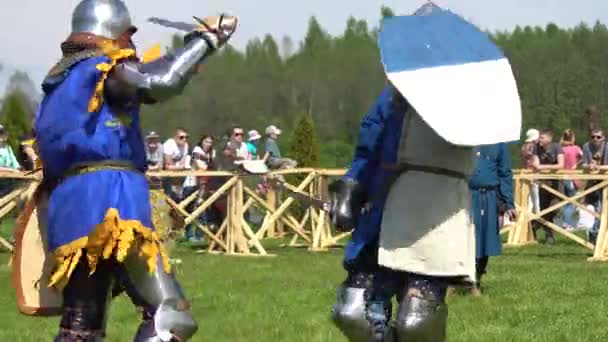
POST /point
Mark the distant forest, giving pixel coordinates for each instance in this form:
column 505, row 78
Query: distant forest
column 562, row 76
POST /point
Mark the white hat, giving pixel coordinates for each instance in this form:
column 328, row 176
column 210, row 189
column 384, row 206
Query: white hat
column 253, row 135
column 532, row 135
column 272, row 129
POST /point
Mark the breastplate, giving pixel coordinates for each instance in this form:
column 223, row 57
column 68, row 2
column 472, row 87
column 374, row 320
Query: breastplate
column 421, row 145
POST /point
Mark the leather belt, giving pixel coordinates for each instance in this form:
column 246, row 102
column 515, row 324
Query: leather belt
column 405, row 167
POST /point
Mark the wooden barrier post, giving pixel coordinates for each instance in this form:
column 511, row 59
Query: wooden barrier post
column 521, row 233
column 271, row 201
column 600, row 252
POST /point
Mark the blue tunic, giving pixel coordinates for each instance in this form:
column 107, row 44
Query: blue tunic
column 68, row 134
column 378, row 144
column 491, row 182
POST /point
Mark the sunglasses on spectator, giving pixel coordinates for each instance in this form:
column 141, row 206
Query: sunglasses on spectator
column 597, row 137
column 182, row 137
column 238, row 134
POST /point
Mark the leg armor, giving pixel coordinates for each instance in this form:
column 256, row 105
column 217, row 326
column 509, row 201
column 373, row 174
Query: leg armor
column 349, row 313
column 165, row 309
column 85, row 303
column 361, row 311
column 422, row 314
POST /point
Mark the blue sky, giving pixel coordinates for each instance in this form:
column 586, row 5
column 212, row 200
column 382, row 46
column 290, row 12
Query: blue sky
column 31, row 30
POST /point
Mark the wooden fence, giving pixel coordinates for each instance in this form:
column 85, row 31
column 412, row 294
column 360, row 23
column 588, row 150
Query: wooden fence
column 310, row 227
column 520, row 232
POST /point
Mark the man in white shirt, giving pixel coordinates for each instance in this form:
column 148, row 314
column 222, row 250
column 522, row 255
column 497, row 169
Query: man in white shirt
column 238, row 145
column 175, row 153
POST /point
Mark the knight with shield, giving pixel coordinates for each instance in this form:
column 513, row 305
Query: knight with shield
column 406, row 193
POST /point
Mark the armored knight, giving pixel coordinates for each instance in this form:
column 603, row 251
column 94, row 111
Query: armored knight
column 100, row 229
column 406, row 193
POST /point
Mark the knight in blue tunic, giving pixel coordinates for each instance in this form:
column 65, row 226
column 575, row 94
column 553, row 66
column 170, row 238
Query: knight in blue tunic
column 492, row 189
column 100, row 229
column 358, row 315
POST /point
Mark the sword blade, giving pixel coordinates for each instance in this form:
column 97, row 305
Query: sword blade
column 173, row 24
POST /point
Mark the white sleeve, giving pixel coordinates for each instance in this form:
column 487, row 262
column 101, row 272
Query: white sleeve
column 197, row 150
column 170, row 147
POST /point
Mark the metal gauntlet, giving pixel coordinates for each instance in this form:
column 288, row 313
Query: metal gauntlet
column 346, row 203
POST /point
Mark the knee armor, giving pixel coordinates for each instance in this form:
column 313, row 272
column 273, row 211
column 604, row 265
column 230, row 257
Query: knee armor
column 421, row 318
column 164, row 304
column 350, row 314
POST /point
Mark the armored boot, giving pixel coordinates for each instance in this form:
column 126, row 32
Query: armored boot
column 349, row 313
column 422, row 315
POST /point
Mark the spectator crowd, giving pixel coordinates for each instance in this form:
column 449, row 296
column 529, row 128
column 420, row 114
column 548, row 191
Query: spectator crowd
column 175, row 154
column 540, row 152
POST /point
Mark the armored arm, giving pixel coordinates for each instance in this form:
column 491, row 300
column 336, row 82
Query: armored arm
column 348, row 194
column 166, row 77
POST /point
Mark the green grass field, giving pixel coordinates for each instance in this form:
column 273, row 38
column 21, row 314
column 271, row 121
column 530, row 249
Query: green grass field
column 537, row 293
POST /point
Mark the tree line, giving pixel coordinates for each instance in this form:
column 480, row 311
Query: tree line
column 562, row 76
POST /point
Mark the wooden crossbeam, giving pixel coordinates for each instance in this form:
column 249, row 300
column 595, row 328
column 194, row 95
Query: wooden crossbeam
column 574, row 198
column 209, row 201
column 204, row 229
column 289, row 220
column 567, row 200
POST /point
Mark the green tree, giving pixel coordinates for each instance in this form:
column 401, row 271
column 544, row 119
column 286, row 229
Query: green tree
column 387, row 12
column 305, row 150
column 16, row 117
column 304, row 144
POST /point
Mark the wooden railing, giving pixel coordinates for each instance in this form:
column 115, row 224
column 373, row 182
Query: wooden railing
column 235, row 236
column 520, row 232
column 310, row 227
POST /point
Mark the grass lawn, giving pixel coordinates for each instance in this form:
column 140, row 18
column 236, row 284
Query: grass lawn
column 537, row 293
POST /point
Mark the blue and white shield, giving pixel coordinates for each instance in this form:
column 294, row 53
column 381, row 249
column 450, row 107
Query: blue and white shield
column 453, row 75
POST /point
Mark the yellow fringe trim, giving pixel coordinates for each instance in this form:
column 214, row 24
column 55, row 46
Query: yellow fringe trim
column 112, row 237
column 114, row 54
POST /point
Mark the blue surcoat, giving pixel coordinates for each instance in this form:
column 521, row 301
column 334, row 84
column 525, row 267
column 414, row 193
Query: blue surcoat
column 490, row 184
column 378, row 144
column 98, row 211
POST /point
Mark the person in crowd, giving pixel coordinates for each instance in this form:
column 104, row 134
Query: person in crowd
column 8, row 160
column 273, row 153
column 238, row 144
column 175, row 153
column 572, row 157
column 527, row 158
column 27, row 155
column 547, row 156
column 154, row 152
column 203, row 157
column 204, row 154
column 8, row 163
column 595, row 157
column 253, row 140
column 492, row 188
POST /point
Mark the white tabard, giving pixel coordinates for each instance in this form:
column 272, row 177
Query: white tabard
column 427, row 228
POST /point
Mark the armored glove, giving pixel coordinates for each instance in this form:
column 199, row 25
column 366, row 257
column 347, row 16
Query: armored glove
column 215, row 30
column 346, row 198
